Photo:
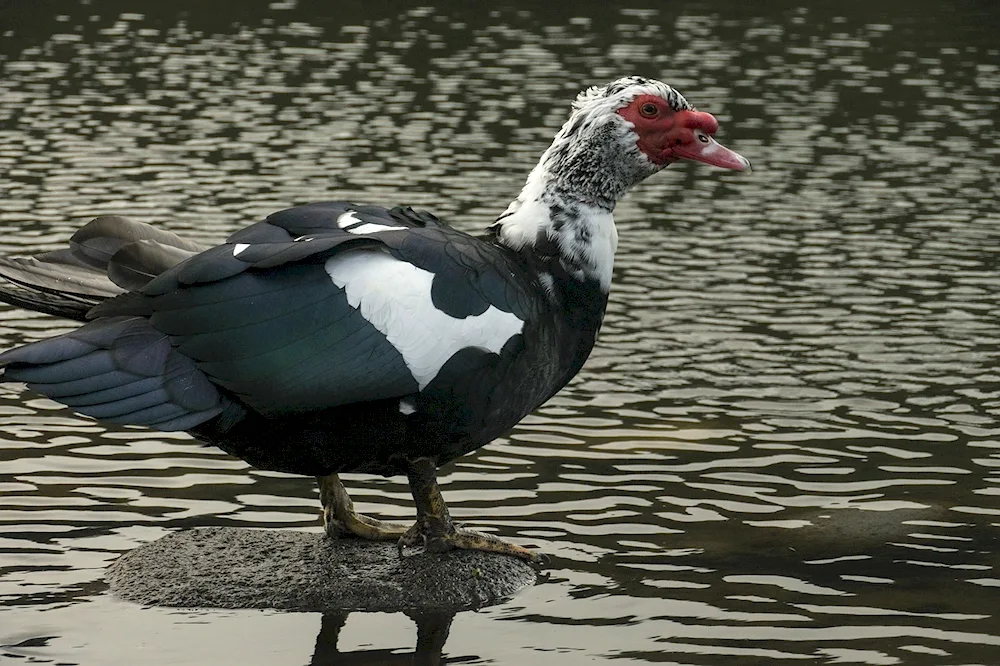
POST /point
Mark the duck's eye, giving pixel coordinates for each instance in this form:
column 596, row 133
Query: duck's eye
column 703, row 138
column 649, row 110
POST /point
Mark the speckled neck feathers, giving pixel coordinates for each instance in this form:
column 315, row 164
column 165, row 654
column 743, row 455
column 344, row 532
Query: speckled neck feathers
column 567, row 202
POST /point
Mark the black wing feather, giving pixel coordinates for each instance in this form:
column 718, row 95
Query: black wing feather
column 98, row 241
column 101, row 262
column 136, row 264
column 257, row 318
column 120, row 370
column 283, row 341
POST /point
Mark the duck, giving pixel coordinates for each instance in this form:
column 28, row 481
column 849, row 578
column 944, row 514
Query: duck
column 336, row 337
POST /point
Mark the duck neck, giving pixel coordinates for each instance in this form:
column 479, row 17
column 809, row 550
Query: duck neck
column 578, row 236
column 565, row 208
column 561, row 224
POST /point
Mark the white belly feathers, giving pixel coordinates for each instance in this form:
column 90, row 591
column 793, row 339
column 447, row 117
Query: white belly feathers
column 395, row 297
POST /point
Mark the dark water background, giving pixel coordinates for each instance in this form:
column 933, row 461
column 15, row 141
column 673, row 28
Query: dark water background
column 786, row 447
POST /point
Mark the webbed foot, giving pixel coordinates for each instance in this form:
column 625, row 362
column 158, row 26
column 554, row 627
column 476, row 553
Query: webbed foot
column 434, row 529
column 466, row 539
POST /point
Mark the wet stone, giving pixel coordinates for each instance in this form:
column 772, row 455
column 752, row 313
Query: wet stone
column 228, row 567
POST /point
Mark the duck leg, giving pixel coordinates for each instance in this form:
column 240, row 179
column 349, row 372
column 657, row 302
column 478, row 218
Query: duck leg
column 340, row 518
column 434, row 529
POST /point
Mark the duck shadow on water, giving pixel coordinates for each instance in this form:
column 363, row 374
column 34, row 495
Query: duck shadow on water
column 432, row 634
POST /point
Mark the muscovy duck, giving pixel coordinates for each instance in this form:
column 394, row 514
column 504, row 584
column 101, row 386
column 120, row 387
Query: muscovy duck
column 336, row 337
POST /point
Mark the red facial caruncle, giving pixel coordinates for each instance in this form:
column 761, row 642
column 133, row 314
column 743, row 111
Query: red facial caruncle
column 666, row 135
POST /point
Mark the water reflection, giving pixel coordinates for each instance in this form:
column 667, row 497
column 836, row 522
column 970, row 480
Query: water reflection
column 432, row 633
column 786, row 443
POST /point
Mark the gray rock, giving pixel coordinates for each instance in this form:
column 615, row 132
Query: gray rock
column 228, row 567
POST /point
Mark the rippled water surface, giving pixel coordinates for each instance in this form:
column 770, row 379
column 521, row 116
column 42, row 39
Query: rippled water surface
column 786, row 447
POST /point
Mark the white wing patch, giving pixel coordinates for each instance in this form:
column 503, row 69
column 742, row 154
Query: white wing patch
column 395, row 297
column 239, row 248
column 350, row 223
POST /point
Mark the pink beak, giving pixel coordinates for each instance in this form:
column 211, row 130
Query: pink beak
column 691, row 139
column 706, row 149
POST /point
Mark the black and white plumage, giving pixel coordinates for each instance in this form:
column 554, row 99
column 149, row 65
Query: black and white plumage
column 336, row 337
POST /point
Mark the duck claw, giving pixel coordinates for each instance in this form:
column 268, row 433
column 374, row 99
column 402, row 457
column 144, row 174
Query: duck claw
column 466, row 539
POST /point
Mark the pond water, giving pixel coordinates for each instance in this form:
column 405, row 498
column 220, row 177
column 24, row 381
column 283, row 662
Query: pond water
column 786, row 446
